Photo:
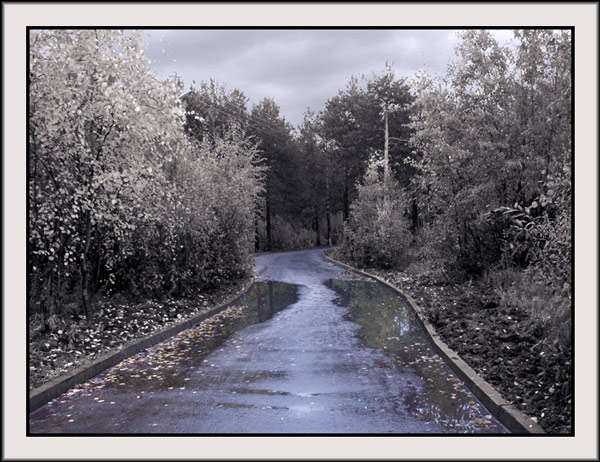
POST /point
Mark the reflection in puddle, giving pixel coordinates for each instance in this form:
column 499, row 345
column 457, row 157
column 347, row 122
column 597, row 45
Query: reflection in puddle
column 389, row 324
column 169, row 364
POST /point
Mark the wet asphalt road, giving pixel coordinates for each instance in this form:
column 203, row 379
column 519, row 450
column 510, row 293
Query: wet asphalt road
column 305, row 370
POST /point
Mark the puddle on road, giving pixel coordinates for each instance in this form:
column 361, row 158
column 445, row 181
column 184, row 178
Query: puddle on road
column 389, row 324
column 168, row 365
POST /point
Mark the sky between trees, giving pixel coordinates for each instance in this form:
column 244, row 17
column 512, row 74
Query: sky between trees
column 298, row 68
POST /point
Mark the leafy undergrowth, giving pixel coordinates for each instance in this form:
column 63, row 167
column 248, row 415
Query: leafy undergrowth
column 71, row 343
column 500, row 342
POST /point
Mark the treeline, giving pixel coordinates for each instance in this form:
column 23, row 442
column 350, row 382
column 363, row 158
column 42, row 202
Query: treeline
column 139, row 187
column 312, row 170
column 489, row 193
column 490, row 156
column 120, row 198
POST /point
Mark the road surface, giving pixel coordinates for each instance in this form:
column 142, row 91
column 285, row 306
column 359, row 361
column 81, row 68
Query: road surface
column 334, row 353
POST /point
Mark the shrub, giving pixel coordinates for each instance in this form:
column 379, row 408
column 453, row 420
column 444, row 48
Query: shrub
column 377, row 232
column 120, row 198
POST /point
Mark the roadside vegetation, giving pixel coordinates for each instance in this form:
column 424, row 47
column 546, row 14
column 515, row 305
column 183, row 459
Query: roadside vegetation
column 481, row 233
column 122, row 202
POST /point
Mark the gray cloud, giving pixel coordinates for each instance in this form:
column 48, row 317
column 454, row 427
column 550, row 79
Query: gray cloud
column 298, row 68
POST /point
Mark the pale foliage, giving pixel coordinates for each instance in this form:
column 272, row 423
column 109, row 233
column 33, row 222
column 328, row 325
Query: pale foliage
column 120, row 197
column 377, row 232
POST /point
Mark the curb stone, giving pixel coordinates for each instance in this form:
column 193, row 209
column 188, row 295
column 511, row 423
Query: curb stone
column 513, row 419
column 47, row 392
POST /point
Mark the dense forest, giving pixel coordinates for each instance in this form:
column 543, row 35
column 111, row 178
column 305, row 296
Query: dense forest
column 144, row 189
column 139, row 187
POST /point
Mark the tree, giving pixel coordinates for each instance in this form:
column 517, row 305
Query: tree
column 343, row 120
column 353, row 122
column 392, row 97
column 120, row 198
column 101, row 127
column 487, row 136
column 211, row 110
column 315, row 174
column 377, row 232
column 273, row 136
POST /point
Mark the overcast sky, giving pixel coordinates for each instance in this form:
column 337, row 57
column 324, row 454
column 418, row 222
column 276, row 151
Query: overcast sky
column 297, row 68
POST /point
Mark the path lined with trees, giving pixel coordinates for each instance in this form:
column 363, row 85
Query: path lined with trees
column 297, row 366
column 140, row 189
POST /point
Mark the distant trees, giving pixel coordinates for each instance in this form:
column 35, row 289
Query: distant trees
column 311, row 171
column 282, row 219
column 353, row 122
column 316, row 170
column 134, row 188
column 274, row 138
column 120, row 198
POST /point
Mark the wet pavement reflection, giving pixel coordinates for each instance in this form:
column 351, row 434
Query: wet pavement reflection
column 388, row 323
column 312, row 349
column 165, row 366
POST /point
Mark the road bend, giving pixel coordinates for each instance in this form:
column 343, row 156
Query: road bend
column 320, row 350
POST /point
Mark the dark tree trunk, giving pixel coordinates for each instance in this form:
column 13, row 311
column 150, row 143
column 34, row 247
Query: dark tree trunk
column 317, row 227
column 47, row 302
column 328, row 228
column 415, row 215
column 268, row 219
column 256, row 236
column 346, row 204
column 327, row 204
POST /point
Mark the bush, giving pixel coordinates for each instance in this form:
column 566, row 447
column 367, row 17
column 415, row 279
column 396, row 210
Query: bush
column 120, row 198
column 377, row 233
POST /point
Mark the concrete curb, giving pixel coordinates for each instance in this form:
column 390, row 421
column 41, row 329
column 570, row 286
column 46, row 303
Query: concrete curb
column 506, row 413
column 47, row 392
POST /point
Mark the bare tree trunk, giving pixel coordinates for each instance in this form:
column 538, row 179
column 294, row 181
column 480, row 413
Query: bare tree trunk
column 386, row 149
column 85, row 269
column 268, row 218
column 317, row 227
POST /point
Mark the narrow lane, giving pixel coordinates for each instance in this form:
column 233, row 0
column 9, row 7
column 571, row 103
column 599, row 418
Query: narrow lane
column 339, row 355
